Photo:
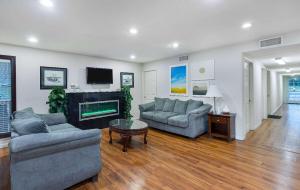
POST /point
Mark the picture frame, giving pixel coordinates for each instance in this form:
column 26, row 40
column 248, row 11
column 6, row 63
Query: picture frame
column 204, row 70
column 199, row 88
column 127, row 79
column 51, row 77
column 179, row 80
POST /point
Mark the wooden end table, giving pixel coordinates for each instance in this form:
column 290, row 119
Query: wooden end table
column 222, row 126
column 127, row 129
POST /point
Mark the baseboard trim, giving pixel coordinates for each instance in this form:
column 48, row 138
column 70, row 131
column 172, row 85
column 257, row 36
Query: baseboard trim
column 276, row 109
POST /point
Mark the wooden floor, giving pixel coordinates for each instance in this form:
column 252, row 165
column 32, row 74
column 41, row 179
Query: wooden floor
column 269, row 159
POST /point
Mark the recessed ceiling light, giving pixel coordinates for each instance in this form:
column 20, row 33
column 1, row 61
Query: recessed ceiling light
column 133, row 31
column 174, row 45
column 247, row 25
column 33, row 39
column 280, row 61
column 132, row 56
column 46, row 3
column 288, row 70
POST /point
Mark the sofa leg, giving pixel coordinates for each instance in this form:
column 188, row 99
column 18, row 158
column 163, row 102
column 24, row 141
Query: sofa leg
column 94, row 178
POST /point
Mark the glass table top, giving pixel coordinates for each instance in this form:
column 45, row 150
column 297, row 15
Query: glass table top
column 125, row 124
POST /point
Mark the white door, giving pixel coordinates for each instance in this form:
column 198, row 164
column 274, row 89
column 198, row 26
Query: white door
column 264, row 94
column 269, row 92
column 248, row 94
column 149, row 86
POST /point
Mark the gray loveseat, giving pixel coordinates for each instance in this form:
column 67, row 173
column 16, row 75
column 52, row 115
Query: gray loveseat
column 48, row 153
column 187, row 118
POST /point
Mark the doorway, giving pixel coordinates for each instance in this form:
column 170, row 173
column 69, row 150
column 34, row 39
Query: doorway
column 7, row 92
column 150, row 86
column 294, row 90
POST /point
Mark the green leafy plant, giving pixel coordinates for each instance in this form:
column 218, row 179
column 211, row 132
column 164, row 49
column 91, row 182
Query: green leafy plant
column 127, row 102
column 57, row 100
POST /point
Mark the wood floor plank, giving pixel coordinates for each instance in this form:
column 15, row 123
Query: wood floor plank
column 268, row 159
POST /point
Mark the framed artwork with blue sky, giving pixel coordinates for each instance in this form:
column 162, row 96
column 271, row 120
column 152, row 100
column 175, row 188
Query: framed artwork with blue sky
column 179, row 80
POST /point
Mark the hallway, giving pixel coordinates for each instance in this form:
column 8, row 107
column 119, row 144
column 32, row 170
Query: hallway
column 281, row 133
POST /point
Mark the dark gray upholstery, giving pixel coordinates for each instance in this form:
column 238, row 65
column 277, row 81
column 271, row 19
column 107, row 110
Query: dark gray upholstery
column 192, row 105
column 29, row 125
column 169, row 105
column 163, row 117
column 159, row 103
column 180, row 106
column 56, row 160
column 190, row 122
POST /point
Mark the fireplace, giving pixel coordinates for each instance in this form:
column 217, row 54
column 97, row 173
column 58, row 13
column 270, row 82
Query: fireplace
column 89, row 110
column 99, row 109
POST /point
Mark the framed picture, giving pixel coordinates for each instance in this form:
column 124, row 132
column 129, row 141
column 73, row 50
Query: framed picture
column 127, row 79
column 204, row 70
column 199, row 88
column 51, row 77
column 179, row 80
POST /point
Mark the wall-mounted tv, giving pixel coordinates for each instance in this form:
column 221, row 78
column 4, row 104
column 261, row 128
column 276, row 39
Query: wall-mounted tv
column 99, row 75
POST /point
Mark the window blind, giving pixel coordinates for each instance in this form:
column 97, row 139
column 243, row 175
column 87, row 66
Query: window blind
column 5, row 96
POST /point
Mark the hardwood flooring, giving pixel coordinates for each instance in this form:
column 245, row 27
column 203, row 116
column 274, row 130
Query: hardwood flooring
column 268, row 159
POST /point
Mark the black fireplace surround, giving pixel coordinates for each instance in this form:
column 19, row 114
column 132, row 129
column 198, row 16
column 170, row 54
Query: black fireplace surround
column 88, row 110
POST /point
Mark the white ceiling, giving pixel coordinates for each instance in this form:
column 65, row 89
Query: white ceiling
column 100, row 27
column 290, row 54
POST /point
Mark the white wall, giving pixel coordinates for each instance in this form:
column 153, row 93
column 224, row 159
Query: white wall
column 228, row 77
column 276, row 91
column 28, row 62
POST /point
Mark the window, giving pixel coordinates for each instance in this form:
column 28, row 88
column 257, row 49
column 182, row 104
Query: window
column 294, row 90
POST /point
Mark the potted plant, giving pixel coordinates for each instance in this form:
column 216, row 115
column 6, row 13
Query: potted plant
column 57, row 100
column 127, row 102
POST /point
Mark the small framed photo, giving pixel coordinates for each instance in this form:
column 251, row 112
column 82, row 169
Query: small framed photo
column 51, row 77
column 199, row 88
column 127, row 79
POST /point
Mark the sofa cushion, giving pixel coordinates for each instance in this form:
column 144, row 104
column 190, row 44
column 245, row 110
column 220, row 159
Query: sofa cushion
column 179, row 121
column 162, row 117
column 180, row 106
column 61, row 128
column 24, row 114
column 192, row 105
column 169, row 105
column 147, row 115
column 159, row 103
column 53, row 118
column 29, row 126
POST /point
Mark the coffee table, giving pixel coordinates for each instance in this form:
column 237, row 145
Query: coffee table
column 127, row 129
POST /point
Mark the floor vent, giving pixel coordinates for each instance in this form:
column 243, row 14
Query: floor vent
column 184, row 58
column 274, row 116
column 270, row 42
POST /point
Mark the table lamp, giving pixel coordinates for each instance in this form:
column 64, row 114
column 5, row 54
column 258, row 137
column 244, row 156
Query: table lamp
column 213, row 92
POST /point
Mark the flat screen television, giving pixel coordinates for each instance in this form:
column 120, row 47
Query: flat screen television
column 99, row 75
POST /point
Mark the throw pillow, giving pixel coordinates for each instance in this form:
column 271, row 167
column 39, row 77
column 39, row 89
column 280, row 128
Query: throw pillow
column 169, row 105
column 24, row 113
column 29, row 125
column 193, row 104
column 180, row 106
column 159, row 104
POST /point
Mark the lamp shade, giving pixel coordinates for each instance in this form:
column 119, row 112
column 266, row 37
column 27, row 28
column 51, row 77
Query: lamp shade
column 213, row 92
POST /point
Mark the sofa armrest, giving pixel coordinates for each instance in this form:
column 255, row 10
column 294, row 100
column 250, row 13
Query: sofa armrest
column 35, row 145
column 147, row 107
column 204, row 109
column 53, row 118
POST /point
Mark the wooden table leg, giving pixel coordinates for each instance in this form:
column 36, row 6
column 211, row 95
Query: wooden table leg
column 145, row 137
column 126, row 141
column 110, row 138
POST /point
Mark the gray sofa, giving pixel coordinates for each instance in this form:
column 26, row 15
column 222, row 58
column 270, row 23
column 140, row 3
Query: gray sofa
column 48, row 153
column 187, row 118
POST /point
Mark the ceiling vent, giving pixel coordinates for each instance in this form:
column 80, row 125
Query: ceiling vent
column 184, row 58
column 270, row 42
